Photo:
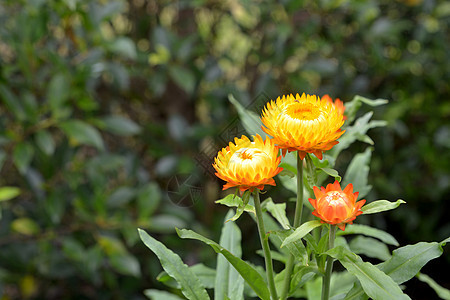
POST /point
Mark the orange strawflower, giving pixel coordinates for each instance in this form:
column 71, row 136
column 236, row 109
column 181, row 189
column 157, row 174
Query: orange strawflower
column 248, row 165
column 337, row 102
column 336, row 206
column 306, row 124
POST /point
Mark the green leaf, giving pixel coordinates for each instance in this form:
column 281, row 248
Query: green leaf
column 124, row 46
column 407, row 261
column 332, row 173
column 300, row 232
column 443, row 293
column 356, row 293
column 380, row 205
column 249, row 119
column 228, row 282
column 160, row 295
column 241, row 204
column 8, row 193
column 296, row 248
column 356, row 132
column 126, row 264
column 45, row 142
column 303, row 275
column 250, row 275
column 22, row 156
column 369, row 231
column 81, row 132
column 375, row 283
column 183, row 77
column 311, row 176
column 278, row 211
column 25, row 226
column 148, row 200
column 341, row 283
column 206, row 275
column 353, row 106
column 191, row 286
column 357, row 173
column 12, row 103
column 58, row 92
column 120, row 126
column 121, row 196
column 235, row 201
column 313, row 289
column 370, row 247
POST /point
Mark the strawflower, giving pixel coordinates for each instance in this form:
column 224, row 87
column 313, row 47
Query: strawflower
column 336, row 206
column 337, row 102
column 306, row 124
column 248, row 165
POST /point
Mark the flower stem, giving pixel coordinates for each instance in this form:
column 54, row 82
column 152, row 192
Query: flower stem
column 329, row 267
column 265, row 245
column 297, row 222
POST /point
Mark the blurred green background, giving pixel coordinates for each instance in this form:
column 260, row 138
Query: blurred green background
column 111, row 113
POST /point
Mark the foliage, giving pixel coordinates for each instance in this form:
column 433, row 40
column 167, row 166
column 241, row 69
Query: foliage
column 103, row 102
column 369, row 281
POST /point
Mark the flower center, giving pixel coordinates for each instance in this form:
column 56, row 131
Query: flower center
column 303, row 111
column 335, row 198
column 248, row 158
column 245, row 154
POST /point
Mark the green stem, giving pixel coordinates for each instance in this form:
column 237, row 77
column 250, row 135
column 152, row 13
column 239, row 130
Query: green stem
column 265, row 245
column 297, row 222
column 329, row 267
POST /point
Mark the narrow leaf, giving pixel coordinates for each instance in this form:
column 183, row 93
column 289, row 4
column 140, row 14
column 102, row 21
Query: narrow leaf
column 205, row 274
column 278, row 211
column 58, row 91
column 45, row 142
column 311, row 176
column 160, row 295
column 358, row 131
column 191, row 286
column 370, row 247
column 296, row 248
column 358, row 171
column 235, row 201
column 82, row 133
column 8, row 193
column 407, row 261
column 443, row 293
column 332, row 173
column 22, row 156
column 121, row 126
column 250, row 120
column 25, row 226
column 300, row 232
column 228, row 282
column 352, row 107
column 250, row 275
column 369, row 231
column 375, row 283
column 380, row 205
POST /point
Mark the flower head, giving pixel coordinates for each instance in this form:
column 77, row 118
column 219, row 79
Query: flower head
column 248, row 165
column 306, row 124
column 337, row 102
column 336, row 206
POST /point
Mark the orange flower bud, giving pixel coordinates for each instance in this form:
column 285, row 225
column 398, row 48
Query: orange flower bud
column 336, row 206
column 337, row 102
